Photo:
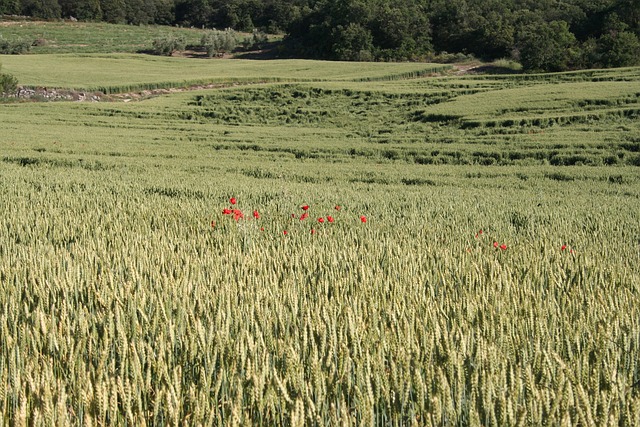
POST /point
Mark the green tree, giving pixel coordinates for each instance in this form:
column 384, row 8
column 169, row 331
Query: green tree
column 46, row 9
column 450, row 24
column 149, row 11
column 546, row 46
column 10, row 7
column 620, row 49
column 114, row 11
column 629, row 12
column 616, row 47
column 195, row 13
column 352, row 43
column 85, row 10
column 400, row 30
column 491, row 28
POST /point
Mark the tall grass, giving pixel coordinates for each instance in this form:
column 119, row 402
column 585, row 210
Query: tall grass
column 494, row 282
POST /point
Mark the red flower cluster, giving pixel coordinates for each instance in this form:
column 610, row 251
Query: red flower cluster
column 237, row 214
column 481, row 233
column 501, row 246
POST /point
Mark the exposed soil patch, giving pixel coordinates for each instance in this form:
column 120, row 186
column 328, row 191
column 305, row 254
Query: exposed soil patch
column 41, row 94
column 478, row 68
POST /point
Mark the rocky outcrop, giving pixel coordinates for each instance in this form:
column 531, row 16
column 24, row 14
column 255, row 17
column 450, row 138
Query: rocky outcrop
column 47, row 94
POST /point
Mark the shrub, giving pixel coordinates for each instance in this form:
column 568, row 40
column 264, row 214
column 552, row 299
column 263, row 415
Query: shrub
column 219, row 42
column 8, row 84
column 258, row 39
column 14, row 47
column 166, row 45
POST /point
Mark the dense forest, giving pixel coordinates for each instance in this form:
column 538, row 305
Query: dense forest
column 548, row 35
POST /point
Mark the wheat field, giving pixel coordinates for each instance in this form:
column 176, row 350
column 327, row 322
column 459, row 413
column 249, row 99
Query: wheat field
column 325, row 253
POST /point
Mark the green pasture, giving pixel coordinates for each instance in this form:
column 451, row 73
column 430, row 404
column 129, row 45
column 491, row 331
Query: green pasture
column 124, row 72
column 129, row 297
column 91, row 37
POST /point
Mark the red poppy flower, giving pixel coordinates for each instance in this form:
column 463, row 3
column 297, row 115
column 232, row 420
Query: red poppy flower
column 330, row 218
column 227, row 211
column 363, row 218
column 256, row 214
column 503, row 247
column 293, row 215
column 213, row 224
column 495, row 244
column 285, row 232
column 305, row 207
column 304, row 216
column 313, row 231
column 479, row 231
column 338, row 208
column 237, row 214
column 261, row 228
column 563, row 247
column 320, row 220
column 232, row 200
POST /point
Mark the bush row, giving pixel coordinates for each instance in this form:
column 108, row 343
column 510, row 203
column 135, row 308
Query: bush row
column 214, row 43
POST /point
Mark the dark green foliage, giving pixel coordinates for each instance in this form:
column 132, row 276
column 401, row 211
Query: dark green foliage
column 113, row 11
column 353, row 43
column 47, row 9
column 86, row 10
column 357, row 30
column 619, row 49
column 10, row 7
column 547, row 46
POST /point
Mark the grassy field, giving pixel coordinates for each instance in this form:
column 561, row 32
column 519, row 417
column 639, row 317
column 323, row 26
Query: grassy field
column 126, row 72
column 85, row 37
column 477, row 262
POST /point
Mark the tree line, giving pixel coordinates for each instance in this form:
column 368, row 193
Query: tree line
column 545, row 35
